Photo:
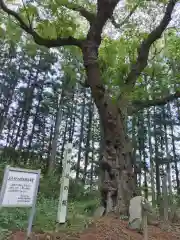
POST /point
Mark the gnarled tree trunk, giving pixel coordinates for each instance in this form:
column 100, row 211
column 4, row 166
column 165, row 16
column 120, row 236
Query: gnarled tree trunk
column 116, row 159
column 116, row 162
column 118, row 181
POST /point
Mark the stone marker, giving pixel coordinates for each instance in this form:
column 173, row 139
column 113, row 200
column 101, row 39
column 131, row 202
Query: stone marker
column 135, row 213
column 99, row 211
column 174, row 215
column 140, row 212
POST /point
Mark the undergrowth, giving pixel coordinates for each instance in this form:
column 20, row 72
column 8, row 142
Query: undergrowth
column 81, row 206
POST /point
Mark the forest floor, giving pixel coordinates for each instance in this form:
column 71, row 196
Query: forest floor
column 107, row 228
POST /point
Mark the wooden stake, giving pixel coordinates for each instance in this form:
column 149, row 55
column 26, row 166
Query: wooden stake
column 144, row 219
column 145, row 226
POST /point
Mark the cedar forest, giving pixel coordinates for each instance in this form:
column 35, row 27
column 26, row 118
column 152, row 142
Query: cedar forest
column 103, row 75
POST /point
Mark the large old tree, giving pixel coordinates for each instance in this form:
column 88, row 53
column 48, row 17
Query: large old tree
column 116, row 162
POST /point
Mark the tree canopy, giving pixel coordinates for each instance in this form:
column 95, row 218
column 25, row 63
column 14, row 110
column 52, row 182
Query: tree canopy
column 124, row 52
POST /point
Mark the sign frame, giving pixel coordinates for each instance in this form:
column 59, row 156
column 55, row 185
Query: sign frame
column 5, row 179
column 33, row 205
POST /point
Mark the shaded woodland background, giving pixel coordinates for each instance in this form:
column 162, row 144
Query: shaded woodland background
column 45, row 102
column 39, row 100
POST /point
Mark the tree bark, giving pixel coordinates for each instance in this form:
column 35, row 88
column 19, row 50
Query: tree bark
column 93, row 149
column 72, row 109
column 81, row 136
column 158, row 187
column 118, row 182
column 134, row 144
column 174, row 153
column 140, row 146
column 49, row 148
column 167, row 154
column 64, row 139
column 28, row 108
column 88, row 139
column 151, row 158
column 58, row 119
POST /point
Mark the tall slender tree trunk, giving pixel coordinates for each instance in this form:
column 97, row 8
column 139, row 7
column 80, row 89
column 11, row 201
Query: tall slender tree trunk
column 174, row 153
column 158, row 187
column 88, row 138
column 167, row 153
column 4, row 113
column 28, row 106
column 140, row 139
column 52, row 160
column 151, row 158
column 11, row 88
column 72, row 112
column 43, row 143
column 66, row 92
column 35, row 119
column 49, row 148
column 134, row 143
column 92, row 158
column 63, row 145
column 81, row 136
column 24, row 108
column 13, row 128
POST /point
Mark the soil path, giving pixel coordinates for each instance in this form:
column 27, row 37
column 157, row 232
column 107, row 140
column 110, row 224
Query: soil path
column 106, row 228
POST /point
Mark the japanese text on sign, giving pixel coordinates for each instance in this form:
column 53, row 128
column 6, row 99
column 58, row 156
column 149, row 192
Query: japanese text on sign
column 19, row 189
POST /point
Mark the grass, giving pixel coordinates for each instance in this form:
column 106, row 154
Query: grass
column 81, row 206
column 79, row 213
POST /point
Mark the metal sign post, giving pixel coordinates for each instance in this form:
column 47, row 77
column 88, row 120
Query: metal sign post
column 19, row 189
column 63, row 197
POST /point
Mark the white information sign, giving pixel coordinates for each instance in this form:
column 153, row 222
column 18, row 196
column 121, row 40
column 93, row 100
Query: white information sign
column 19, row 189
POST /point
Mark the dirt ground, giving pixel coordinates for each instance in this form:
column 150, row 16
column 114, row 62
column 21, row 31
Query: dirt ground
column 107, row 228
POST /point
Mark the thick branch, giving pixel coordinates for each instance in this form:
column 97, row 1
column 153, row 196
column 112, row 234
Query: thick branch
column 143, row 51
column 119, row 25
column 37, row 38
column 137, row 105
column 105, row 10
column 86, row 14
